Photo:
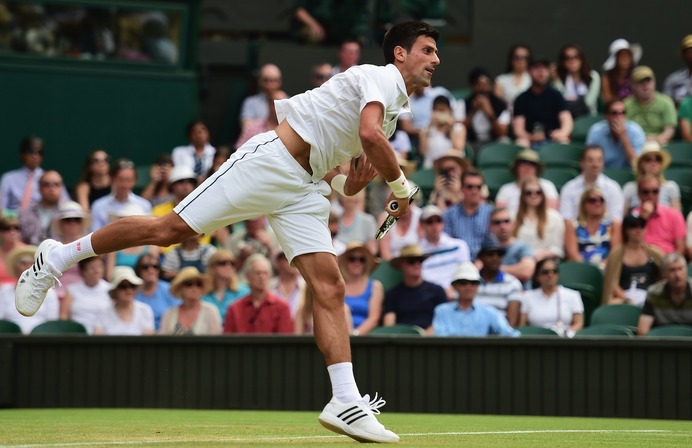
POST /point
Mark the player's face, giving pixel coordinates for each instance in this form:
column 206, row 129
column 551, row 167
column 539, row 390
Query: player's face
column 420, row 63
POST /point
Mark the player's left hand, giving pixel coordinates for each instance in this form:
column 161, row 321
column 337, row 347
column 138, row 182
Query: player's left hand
column 402, row 206
column 359, row 176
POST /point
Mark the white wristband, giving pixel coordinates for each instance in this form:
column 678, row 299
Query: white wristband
column 400, row 187
column 338, row 182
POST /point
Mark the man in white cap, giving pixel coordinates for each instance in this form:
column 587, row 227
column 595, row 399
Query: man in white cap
column 445, row 253
column 463, row 317
column 653, row 111
column 678, row 84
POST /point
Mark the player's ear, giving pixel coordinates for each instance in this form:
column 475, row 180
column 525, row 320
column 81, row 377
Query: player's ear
column 400, row 53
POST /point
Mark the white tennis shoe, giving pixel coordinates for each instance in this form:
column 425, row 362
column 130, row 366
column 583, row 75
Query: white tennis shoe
column 34, row 283
column 357, row 420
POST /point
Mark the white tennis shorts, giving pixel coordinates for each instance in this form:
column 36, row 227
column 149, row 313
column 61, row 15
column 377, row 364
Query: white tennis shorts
column 263, row 178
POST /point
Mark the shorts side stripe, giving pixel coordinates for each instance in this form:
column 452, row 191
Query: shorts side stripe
column 227, row 170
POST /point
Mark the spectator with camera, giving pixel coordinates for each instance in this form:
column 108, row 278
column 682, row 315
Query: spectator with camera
column 442, row 134
column 448, row 171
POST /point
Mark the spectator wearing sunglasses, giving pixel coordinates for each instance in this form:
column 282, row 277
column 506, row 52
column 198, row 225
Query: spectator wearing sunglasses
column 35, row 220
column 364, row 294
column 154, row 292
column 444, row 252
column 320, row 74
column 665, row 226
column 193, row 316
column 621, row 139
column 413, row 301
column 19, row 188
column 518, row 259
column 653, row 161
column 464, row 316
column 126, row 316
column 225, row 285
column 551, row 305
column 538, row 225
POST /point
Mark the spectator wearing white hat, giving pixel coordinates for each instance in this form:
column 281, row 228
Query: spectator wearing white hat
column 463, row 317
column 127, row 316
column 616, row 82
column 653, row 111
column 678, row 85
column 445, row 253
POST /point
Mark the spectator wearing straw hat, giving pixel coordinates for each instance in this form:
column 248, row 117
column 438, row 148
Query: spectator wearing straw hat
column 464, row 317
column 678, row 85
column 18, row 260
column 193, row 316
column 127, row 316
column 527, row 164
column 652, row 161
column 413, row 301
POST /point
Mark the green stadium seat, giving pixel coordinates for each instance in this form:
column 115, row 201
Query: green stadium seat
column 532, row 330
column 59, row 326
column 683, row 177
column 589, row 297
column 496, row 177
column 620, row 175
column 497, row 155
column 624, row 314
column 671, row 331
column 680, row 153
column 401, row 329
column 605, row 330
column 461, row 93
column 582, row 125
column 387, row 275
column 425, row 179
column 587, row 279
column 561, row 155
column 7, row 326
column 143, row 177
column 559, row 175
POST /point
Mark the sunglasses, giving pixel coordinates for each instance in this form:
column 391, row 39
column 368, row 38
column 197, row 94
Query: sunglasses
column 548, row 271
column 595, row 200
column 71, row 220
column 467, row 282
column 533, row 193
column 51, row 184
column 321, row 76
column 571, row 57
column 413, row 261
column 10, row 227
column 188, row 283
column 224, row 263
column 144, row 267
column 473, row 187
column 357, row 259
column 646, row 192
column 497, row 222
column 652, row 159
column 616, row 112
column 124, row 286
column 431, row 221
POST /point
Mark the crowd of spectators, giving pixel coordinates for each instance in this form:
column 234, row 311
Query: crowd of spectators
column 473, row 262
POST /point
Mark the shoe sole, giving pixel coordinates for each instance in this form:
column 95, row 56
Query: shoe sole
column 339, row 427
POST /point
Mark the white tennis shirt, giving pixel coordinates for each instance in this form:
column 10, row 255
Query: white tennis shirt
column 328, row 117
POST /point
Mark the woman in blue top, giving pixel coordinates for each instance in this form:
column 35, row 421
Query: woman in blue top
column 154, row 291
column 590, row 238
column 364, row 295
column 226, row 288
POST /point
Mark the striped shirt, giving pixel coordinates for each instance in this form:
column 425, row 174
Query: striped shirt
column 474, row 229
column 447, row 254
column 661, row 307
column 498, row 292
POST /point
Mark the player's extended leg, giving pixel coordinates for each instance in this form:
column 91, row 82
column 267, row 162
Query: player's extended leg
column 347, row 413
column 53, row 258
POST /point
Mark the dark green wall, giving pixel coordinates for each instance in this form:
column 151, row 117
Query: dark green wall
column 131, row 113
column 601, row 377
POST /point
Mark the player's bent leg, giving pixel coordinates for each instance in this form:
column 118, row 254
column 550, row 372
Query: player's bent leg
column 140, row 231
column 356, row 416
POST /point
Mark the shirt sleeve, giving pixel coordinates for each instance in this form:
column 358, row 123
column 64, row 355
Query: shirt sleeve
column 670, row 117
column 439, row 323
column 376, row 86
column 679, row 229
column 648, row 308
column 500, row 326
column 637, row 138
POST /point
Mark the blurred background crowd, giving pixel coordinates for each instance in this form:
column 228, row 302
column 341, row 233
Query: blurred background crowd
column 555, row 187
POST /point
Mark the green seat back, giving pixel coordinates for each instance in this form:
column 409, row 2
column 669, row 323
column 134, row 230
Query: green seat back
column 589, row 297
column 59, row 326
column 387, row 275
column 398, row 329
column 560, row 154
column 624, row 314
column 425, row 179
column 532, row 330
column 7, row 326
column 605, row 330
column 497, row 155
column 582, row 125
column 680, row 153
column 671, row 331
column 559, row 175
column 620, row 175
column 496, row 177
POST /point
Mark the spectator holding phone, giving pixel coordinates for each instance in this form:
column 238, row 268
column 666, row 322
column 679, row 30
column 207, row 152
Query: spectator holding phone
column 448, row 171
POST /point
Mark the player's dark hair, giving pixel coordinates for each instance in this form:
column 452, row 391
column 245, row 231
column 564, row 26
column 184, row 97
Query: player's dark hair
column 404, row 35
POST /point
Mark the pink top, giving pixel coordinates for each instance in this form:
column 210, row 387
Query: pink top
column 665, row 226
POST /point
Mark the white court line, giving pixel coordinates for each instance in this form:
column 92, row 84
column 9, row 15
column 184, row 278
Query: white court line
column 277, row 439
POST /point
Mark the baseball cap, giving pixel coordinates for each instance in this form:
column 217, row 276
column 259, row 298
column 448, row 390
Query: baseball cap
column 429, row 211
column 641, row 73
column 491, row 246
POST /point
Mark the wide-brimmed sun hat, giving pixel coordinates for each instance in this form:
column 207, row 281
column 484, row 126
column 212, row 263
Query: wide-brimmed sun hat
column 70, row 210
column 123, row 274
column 186, row 274
column 17, row 254
column 410, row 252
column 618, row 45
column 351, row 249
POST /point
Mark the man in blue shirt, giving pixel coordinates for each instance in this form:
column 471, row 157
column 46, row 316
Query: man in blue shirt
column 469, row 219
column 620, row 138
column 466, row 318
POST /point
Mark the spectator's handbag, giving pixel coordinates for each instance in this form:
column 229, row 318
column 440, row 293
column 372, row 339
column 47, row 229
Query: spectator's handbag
column 578, row 107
